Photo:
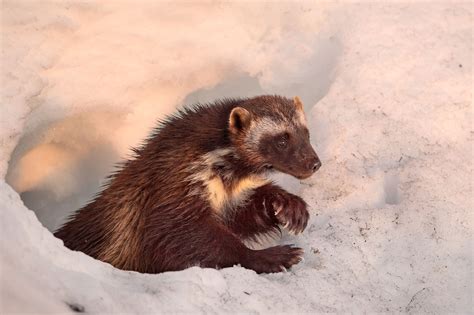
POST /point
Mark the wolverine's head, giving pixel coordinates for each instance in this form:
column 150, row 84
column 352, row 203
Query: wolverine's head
column 270, row 132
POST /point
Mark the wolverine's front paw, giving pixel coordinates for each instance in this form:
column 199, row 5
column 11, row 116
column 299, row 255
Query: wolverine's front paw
column 291, row 212
column 274, row 259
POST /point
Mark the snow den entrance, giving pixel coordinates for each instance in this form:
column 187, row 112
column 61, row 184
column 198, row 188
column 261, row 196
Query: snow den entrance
column 57, row 166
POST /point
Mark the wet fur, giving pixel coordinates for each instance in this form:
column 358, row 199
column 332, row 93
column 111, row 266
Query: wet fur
column 189, row 196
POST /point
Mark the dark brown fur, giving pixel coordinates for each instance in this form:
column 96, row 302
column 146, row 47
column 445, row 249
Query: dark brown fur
column 151, row 218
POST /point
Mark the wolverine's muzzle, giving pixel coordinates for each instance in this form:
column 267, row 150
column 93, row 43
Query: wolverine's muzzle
column 309, row 163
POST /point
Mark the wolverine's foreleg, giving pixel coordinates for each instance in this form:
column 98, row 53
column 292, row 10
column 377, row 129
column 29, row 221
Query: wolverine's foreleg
column 211, row 244
column 226, row 250
column 269, row 207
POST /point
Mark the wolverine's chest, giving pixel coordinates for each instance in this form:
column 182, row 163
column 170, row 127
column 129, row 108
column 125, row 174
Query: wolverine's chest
column 223, row 195
column 218, row 184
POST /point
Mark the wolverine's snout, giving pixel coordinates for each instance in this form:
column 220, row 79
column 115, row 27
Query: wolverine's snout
column 310, row 160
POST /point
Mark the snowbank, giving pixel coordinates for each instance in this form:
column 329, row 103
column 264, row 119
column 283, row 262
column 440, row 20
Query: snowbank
column 391, row 225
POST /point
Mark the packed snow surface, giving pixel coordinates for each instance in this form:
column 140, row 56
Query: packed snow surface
column 388, row 95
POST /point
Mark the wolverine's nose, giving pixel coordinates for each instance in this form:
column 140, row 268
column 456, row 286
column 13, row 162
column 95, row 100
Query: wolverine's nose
column 313, row 164
column 310, row 160
column 316, row 166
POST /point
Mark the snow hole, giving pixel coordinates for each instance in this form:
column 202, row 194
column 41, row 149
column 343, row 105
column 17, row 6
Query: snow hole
column 60, row 163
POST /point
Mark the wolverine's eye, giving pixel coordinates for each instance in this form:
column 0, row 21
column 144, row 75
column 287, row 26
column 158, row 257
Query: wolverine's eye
column 282, row 141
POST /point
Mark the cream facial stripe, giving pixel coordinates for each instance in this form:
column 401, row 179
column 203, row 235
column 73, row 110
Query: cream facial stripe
column 264, row 126
column 267, row 126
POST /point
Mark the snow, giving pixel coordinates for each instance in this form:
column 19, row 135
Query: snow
column 388, row 94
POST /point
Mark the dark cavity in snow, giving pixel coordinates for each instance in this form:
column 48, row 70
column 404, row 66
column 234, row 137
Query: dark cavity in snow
column 61, row 161
column 59, row 165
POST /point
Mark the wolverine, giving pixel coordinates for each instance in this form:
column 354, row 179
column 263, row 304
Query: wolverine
column 197, row 190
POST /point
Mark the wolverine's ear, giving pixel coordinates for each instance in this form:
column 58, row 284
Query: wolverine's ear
column 239, row 119
column 298, row 103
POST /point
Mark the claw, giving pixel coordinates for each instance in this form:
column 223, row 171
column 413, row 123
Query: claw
column 279, row 210
column 300, row 252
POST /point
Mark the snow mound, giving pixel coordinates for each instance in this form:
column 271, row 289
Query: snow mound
column 388, row 93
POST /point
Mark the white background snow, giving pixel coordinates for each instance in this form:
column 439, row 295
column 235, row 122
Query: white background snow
column 388, row 94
